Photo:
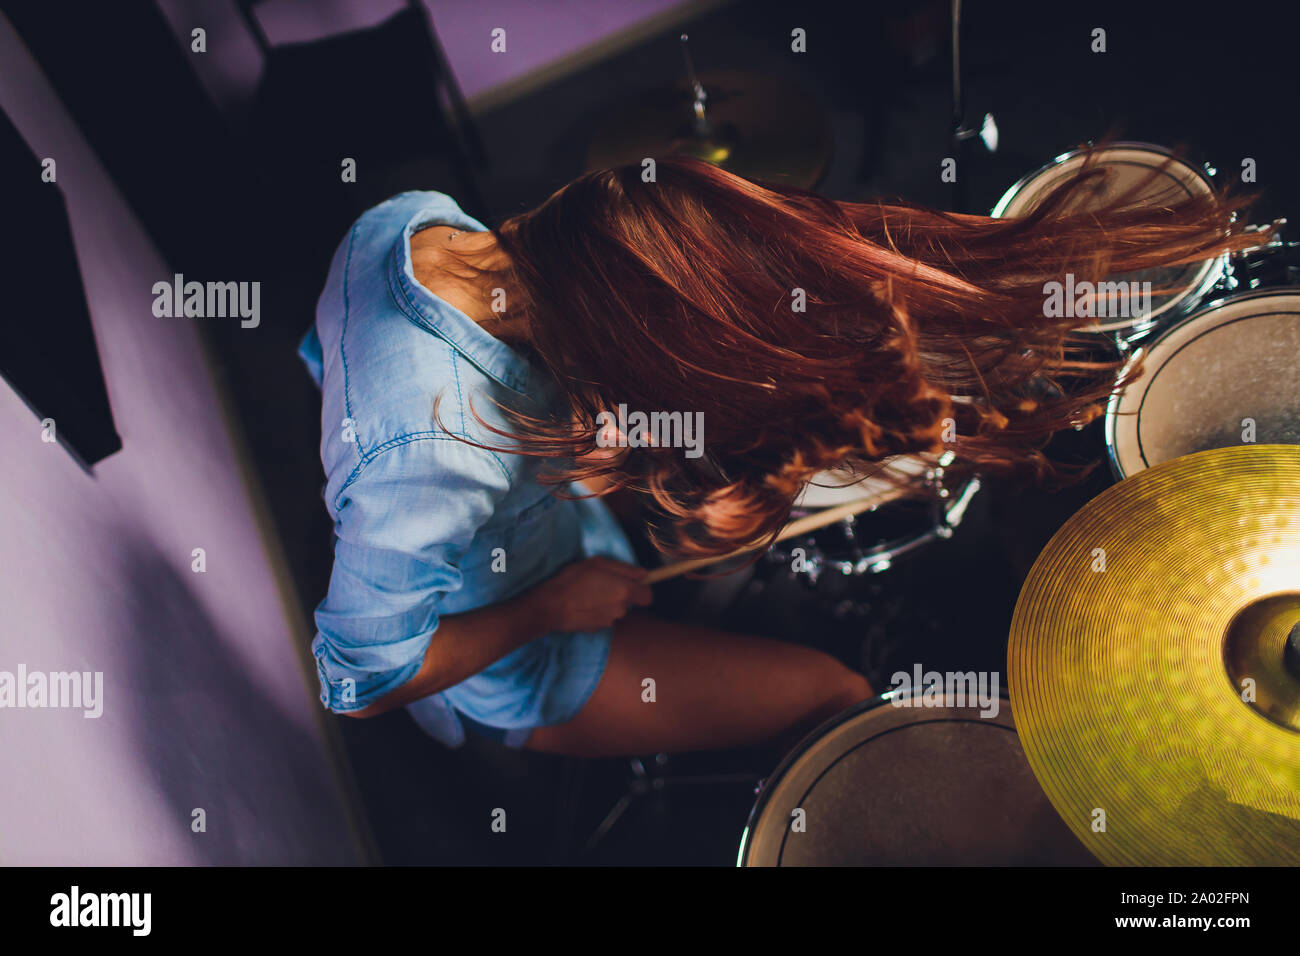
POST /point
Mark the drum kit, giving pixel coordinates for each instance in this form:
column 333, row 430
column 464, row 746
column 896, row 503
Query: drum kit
column 1154, row 658
column 1154, row 655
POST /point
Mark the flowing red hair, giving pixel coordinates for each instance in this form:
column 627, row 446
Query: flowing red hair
column 923, row 332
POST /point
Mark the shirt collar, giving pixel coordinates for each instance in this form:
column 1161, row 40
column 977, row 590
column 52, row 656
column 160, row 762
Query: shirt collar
column 489, row 354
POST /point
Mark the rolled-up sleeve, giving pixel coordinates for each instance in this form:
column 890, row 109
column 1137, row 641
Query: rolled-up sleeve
column 402, row 524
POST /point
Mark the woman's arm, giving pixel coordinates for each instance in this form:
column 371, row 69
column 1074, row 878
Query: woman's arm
column 586, row 595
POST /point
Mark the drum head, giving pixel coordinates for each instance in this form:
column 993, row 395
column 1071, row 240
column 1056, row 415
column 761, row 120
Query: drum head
column 1138, row 173
column 1206, row 380
column 912, row 786
column 829, row 489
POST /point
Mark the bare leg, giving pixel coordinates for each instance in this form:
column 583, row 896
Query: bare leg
column 712, row 689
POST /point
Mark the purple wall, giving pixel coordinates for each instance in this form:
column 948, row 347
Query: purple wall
column 538, row 33
column 206, row 701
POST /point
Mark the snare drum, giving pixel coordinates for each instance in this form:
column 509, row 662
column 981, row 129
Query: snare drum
column 1227, row 375
column 911, row 786
column 890, row 527
column 1141, row 174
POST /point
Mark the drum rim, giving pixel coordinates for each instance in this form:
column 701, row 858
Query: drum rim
column 999, row 208
column 782, row 770
column 1212, row 270
column 1113, row 417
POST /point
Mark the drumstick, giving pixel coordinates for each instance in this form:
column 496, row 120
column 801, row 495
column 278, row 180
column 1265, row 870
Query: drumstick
column 818, row 519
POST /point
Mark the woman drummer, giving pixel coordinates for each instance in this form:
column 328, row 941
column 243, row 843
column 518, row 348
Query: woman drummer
column 468, row 376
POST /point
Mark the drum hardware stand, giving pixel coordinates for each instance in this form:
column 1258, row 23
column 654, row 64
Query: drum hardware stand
column 703, row 142
column 744, row 123
column 961, row 134
column 648, row 778
column 703, row 128
column 1239, row 266
column 1126, row 343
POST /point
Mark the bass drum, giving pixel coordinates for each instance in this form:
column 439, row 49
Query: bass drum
column 1224, row 376
column 888, row 785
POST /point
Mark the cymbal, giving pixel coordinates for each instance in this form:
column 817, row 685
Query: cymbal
column 762, row 128
column 1145, row 664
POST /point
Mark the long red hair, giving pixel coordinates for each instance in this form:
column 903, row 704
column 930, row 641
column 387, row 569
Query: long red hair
column 923, row 331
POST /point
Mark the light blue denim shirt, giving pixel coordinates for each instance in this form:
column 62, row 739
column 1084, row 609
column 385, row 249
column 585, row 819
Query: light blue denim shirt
column 425, row 525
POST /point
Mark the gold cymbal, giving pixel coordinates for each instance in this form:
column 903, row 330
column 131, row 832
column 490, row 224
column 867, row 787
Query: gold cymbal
column 763, row 128
column 1146, row 666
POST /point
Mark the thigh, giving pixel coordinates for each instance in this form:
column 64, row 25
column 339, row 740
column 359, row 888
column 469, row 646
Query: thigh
column 710, row 689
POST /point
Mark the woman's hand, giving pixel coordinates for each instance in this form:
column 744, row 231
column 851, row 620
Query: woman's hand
column 589, row 595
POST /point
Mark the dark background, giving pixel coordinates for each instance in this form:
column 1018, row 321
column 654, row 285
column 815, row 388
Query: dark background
column 1216, row 82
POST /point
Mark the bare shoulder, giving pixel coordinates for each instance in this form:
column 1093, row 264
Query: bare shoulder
column 444, row 269
column 436, row 268
column 429, row 255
